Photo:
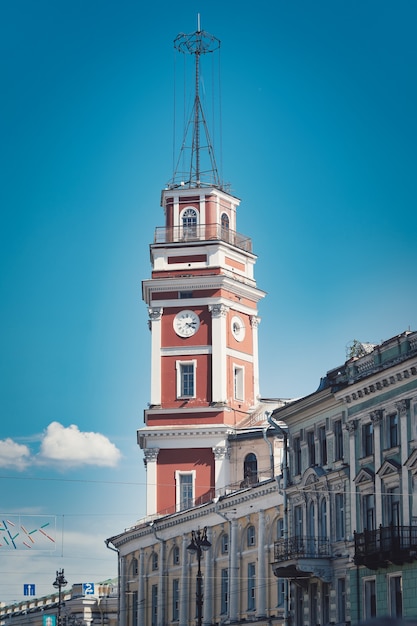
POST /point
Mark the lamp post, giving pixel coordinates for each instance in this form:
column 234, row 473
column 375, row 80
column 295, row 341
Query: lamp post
column 199, row 542
column 58, row 583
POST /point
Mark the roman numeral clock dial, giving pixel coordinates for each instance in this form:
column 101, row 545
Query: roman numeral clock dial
column 186, row 323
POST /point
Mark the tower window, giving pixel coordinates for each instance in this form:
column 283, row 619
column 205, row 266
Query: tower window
column 185, row 488
column 189, row 222
column 238, row 382
column 186, row 379
column 250, row 469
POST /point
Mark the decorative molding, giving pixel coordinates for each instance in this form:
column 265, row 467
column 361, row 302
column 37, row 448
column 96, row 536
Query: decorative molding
column 402, row 406
column 221, row 452
column 218, row 310
column 151, row 454
column 255, row 321
column 351, row 426
column 376, row 416
column 155, row 313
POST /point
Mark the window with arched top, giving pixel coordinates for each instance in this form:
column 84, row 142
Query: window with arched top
column 189, row 220
column 250, row 469
column 176, row 555
column 251, row 536
column 225, row 224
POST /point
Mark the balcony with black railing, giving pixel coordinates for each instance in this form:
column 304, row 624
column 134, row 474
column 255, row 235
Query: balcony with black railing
column 202, row 233
column 386, row 545
column 301, row 557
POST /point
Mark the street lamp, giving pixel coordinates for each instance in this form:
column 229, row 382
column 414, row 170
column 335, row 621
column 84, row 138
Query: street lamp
column 199, row 542
column 58, row 583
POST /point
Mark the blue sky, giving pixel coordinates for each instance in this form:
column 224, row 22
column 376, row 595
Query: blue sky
column 319, row 141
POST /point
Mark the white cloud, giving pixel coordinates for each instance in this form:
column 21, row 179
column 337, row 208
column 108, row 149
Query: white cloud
column 70, row 446
column 13, row 455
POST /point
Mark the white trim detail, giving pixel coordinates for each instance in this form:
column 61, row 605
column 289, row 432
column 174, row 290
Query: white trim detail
column 178, row 366
column 178, row 474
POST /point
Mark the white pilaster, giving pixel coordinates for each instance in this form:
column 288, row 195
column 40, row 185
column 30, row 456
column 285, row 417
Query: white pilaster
column 183, row 616
column 351, row 428
column 255, row 321
column 161, row 585
column 219, row 361
column 141, row 585
column 155, row 323
column 151, row 455
column 221, row 468
column 261, row 578
column 376, row 419
column 234, row 573
column 403, row 407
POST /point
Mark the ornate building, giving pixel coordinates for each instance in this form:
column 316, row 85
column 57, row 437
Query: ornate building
column 349, row 545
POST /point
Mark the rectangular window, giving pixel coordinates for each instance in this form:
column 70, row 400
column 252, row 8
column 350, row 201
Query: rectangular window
column 186, row 379
column 391, row 503
column 185, row 487
column 297, row 455
column 395, row 592
column 281, row 592
column 224, row 591
column 154, row 605
column 251, row 587
column 341, row 600
column 298, row 521
column 185, row 294
column 338, row 441
column 339, row 501
column 238, row 382
column 368, row 501
column 392, row 428
column 369, row 605
column 323, row 445
column 368, row 439
column 175, row 600
column 311, row 445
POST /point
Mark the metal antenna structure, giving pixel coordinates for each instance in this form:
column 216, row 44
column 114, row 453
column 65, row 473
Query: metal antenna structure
column 196, row 44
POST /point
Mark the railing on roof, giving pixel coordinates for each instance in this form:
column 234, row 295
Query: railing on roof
column 202, row 232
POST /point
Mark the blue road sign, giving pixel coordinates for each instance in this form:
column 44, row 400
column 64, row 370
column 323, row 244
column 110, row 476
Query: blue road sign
column 29, row 590
column 88, row 589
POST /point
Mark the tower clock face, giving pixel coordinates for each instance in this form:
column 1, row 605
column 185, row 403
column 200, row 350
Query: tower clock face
column 238, row 328
column 186, row 323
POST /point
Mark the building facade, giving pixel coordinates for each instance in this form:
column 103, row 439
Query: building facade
column 349, row 544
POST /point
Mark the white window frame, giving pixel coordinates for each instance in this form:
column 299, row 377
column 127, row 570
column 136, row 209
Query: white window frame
column 178, row 366
column 238, row 382
column 178, row 475
column 390, row 578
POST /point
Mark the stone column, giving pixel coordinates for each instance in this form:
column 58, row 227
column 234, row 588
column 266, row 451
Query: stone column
column 234, row 573
column 221, row 468
column 123, row 589
column 376, row 419
column 208, row 583
column 351, row 428
column 218, row 356
column 183, row 613
column 161, row 585
column 151, row 455
column 155, row 322
column 261, row 577
column 403, row 407
column 141, row 588
column 255, row 321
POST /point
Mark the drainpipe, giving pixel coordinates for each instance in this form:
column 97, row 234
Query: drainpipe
column 107, row 542
column 271, row 451
column 285, row 470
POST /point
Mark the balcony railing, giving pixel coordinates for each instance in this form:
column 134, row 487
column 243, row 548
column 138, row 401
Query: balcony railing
column 301, row 548
column 385, row 545
column 202, row 232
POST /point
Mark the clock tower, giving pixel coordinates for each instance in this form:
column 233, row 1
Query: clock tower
column 202, row 301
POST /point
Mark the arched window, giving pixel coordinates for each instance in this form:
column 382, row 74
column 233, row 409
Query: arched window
column 176, row 555
column 225, row 543
column 224, row 227
column 311, row 528
column 251, row 537
column 154, row 560
column 250, row 469
column 189, row 222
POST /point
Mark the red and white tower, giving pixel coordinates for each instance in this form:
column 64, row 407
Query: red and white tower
column 202, row 300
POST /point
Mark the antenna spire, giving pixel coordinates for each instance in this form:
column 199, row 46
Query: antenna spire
column 197, row 174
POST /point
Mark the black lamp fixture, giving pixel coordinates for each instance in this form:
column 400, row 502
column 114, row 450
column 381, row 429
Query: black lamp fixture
column 58, row 583
column 199, row 542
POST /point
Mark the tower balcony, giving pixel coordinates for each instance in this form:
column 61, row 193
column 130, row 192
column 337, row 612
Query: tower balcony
column 385, row 546
column 202, row 233
column 302, row 557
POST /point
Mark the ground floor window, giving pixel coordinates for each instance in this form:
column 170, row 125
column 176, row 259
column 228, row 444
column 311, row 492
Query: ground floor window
column 395, row 595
